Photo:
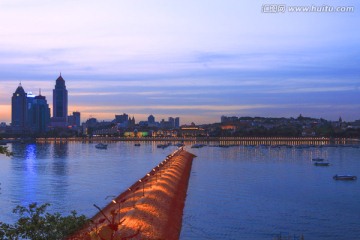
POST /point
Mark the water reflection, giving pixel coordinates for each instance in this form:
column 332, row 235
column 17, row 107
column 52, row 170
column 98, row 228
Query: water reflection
column 40, row 172
column 30, row 175
column 60, row 158
column 60, row 150
column 30, row 156
column 24, row 161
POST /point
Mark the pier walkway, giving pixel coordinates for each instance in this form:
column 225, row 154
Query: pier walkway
column 151, row 208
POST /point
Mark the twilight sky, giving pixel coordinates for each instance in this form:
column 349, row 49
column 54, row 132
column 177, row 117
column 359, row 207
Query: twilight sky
column 194, row 59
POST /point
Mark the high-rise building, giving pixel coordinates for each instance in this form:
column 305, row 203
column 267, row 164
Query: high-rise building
column 151, row 119
column 39, row 114
column 171, row 123
column 19, row 110
column 30, row 114
column 60, row 103
column 177, row 122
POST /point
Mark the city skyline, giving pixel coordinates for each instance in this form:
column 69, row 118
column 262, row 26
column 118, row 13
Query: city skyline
column 198, row 61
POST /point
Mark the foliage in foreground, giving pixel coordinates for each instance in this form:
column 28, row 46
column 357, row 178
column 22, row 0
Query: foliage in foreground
column 4, row 150
column 36, row 224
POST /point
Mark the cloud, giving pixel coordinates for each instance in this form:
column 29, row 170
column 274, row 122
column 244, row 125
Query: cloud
column 169, row 57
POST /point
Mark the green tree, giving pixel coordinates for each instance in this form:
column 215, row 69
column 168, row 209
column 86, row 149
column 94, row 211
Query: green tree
column 36, row 224
column 4, row 150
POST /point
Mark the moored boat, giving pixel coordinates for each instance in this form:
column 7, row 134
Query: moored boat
column 317, row 159
column 180, row 144
column 137, row 144
column 344, row 177
column 198, row 145
column 323, row 164
column 101, row 146
column 165, row 145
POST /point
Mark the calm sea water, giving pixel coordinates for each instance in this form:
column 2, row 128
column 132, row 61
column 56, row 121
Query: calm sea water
column 241, row 192
column 259, row 192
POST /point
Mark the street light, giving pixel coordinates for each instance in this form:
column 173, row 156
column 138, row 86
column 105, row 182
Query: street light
column 102, row 213
column 155, row 174
column 159, row 169
column 149, row 178
column 114, row 201
column 143, row 186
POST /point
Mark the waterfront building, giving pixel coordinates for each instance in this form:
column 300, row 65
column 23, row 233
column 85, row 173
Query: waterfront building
column 136, row 133
column 19, row 110
column 38, row 114
column 3, row 127
column 74, row 119
column 29, row 113
column 124, row 121
column 131, row 122
column 225, row 119
column 29, row 104
column 177, row 123
column 172, row 123
column 165, row 133
column 60, row 103
column 105, row 128
column 151, row 122
column 151, row 119
column 192, row 131
column 124, row 118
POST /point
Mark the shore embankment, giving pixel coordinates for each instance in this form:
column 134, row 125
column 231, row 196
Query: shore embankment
column 151, row 208
column 210, row 140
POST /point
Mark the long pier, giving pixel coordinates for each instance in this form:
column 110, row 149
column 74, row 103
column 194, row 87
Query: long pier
column 151, row 208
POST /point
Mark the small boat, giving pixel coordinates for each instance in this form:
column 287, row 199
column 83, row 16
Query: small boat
column 180, row 144
column 137, row 144
column 317, row 159
column 101, row 146
column 344, row 177
column 163, row 145
column 197, row 145
column 324, row 164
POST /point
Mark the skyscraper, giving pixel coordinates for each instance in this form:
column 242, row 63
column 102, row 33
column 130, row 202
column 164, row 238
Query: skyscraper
column 151, row 119
column 39, row 115
column 60, row 103
column 19, row 110
column 177, row 122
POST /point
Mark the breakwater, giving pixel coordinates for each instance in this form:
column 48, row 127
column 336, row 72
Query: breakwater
column 151, row 208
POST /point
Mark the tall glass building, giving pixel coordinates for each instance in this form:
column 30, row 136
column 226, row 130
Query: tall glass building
column 29, row 114
column 39, row 115
column 60, row 103
column 19, row 110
